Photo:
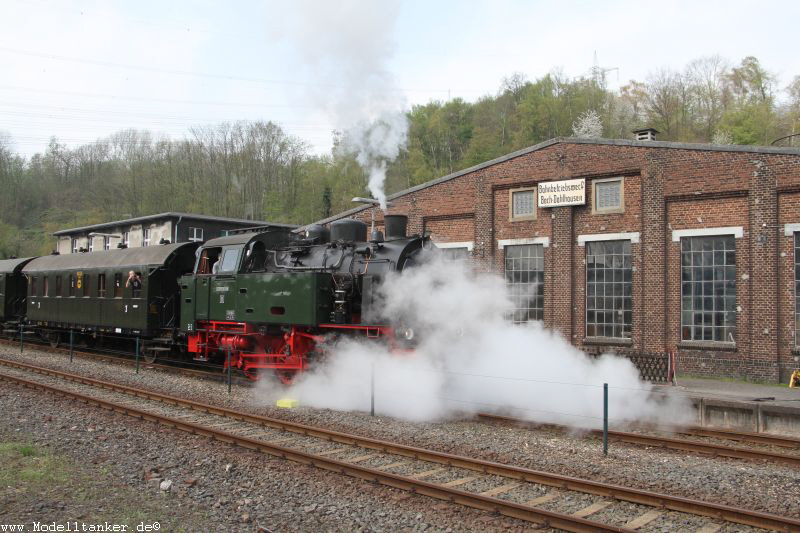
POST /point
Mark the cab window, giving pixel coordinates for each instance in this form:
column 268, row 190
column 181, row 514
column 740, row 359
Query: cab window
column 209, row 261
column 230, row 261
column 256, row 258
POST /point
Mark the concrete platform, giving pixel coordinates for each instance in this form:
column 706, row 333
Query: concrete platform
column 743, row 406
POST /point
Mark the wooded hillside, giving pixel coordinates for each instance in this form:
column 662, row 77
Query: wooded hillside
column 256, row 170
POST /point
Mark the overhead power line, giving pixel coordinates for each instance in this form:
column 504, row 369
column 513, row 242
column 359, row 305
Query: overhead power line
column 175, row 72
column 27, row 90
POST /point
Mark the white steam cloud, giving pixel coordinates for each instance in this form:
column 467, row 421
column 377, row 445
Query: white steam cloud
column 471, row 359
column 347, row 47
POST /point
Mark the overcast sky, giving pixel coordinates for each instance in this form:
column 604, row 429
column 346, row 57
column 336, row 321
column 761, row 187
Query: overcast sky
column 81, row 70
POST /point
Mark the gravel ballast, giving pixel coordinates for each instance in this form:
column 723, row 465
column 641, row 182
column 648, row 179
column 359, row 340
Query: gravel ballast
column 769, row 487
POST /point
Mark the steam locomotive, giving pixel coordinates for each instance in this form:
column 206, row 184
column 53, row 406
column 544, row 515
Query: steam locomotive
column 256, row 300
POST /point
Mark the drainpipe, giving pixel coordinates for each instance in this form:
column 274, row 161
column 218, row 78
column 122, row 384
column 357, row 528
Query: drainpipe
column 176, row 228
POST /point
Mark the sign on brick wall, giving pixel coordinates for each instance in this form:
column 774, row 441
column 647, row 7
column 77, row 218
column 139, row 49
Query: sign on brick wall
column 560, row 193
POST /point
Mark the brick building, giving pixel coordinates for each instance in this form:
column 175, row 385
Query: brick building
column 687, row 247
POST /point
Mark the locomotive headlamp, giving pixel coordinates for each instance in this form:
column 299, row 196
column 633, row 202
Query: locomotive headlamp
column 406, row 333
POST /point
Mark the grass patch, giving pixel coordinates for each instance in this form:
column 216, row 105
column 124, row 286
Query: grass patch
column 31, row 475
column 26, row 463
column 27, row 450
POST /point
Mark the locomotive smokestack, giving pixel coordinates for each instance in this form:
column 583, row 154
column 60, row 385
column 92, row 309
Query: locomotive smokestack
column 395, row 226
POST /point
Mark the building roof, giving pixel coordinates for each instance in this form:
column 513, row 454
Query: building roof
column 121, row 258
column 172, row 214
column 571, row 140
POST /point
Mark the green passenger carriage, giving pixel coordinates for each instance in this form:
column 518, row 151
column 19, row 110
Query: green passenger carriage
column 88, row 293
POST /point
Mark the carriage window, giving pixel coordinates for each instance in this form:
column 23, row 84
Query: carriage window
column 46, row 287
column 85, row 285
column 58, row 286
column 101, row 285
column 230, row 261
column 117, row 285
column 71, row 287
column 136, row 286
column 33, row 286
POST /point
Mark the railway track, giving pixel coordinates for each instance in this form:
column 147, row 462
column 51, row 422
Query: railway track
column 643, row 438
column 213, row 372
column 562, row 502
column 695, row 446
column 637, row 438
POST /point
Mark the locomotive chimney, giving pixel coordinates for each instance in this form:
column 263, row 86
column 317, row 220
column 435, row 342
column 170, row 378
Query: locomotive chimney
column 395, row 226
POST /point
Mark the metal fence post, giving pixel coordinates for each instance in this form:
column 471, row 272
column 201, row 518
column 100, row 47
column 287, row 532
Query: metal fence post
column 229, row 370
column 137, row 355
column 71, row 340
column 605, row 418
column 372, row 390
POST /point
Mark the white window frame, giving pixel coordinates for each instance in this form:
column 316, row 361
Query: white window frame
column 610, row 210
column 193, row 234
column 632, row 236
column 106, row 242
column 736, row 231
column 146, row 236
column 511, row 194
column 469, row 245
column 502, row 243
column 126, row 238
column 73, row 245
column 90, row 244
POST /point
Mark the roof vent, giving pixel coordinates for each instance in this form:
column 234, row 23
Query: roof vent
column 646, row 134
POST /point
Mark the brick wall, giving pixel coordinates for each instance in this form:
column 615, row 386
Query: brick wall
column 666, row 187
